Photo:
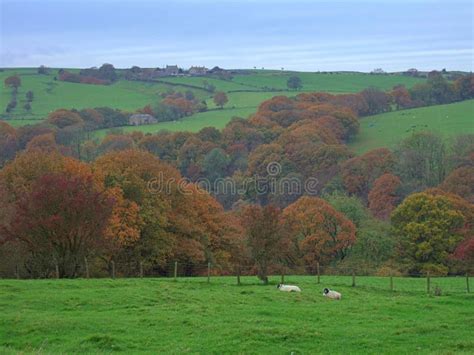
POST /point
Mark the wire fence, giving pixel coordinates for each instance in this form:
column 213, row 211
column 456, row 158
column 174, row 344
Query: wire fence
column 389, row 279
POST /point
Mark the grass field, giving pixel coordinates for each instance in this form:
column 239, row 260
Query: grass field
column 162, row 316
column 335, row 82
column 50, row 94
column 387, row 129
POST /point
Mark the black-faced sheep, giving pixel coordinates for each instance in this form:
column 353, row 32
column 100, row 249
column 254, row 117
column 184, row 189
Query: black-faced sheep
column 332, row 294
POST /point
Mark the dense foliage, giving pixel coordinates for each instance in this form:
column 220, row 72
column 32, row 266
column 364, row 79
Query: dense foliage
column 282, row 189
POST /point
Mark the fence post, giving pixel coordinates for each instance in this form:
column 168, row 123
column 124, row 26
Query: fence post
column 353, row 278
column 57, row 270
column 467, row 282
column 391, row 281
column 113, row 268
column 141, row 269
column 238, row 275
column 86, row 265
column 428, row 282
column 209, row 272
column 175, row 270
column 317, row 270
column 17, row 272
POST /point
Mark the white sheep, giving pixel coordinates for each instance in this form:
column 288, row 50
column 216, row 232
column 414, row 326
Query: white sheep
column 332, row 294
column 288, row 288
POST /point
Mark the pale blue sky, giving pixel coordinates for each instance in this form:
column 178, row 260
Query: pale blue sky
column 297, row 35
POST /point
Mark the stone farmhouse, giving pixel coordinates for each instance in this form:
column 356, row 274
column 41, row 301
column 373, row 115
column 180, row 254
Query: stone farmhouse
column 140, row 119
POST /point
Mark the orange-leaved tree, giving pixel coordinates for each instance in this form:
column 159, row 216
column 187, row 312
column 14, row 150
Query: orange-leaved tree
column 321, row 233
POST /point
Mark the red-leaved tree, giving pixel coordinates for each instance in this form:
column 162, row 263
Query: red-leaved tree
column 60, row 220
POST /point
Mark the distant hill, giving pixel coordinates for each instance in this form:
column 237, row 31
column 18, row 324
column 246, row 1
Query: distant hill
column 246, row 90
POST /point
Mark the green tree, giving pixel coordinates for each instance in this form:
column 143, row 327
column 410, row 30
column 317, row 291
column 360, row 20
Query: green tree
column 428, row 228
column 215, row 164
column 421, row 161
column 294, row 82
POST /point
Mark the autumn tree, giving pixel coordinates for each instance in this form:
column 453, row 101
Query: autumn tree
column 465, row 86
column 13, row 81
column 44, row 142
column 461, row 183
column 8, row 142
column 64, row 118
column 359, row 173
column 465, row 253
column 115, row 142
column 428, row 229
column 401, row 97
column 321, row 233
column 60, row 220
column 377, row 101
column 220, row 99
column 151, row 185
column 384, row 195
column 265, row 237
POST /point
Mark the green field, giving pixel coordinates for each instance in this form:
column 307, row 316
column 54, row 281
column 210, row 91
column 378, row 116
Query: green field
column 257, row 86
column 50, row 94
column 335, row 82
column 163, row 316
column 386, row 130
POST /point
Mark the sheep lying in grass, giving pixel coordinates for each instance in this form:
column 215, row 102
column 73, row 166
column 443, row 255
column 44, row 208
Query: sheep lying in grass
column 288, row 288
column 332, row 294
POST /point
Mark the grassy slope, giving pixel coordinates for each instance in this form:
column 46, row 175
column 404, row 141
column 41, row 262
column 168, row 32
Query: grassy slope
column 337, row 82
column 159, row 315
column 50, row 94
column 125, row 95
column 386, row 130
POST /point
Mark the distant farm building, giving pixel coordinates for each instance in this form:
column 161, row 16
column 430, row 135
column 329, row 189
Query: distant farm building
column 140, row 119
column 197, row 71
column 171, row 70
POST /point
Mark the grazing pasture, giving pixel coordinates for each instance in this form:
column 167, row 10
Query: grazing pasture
column 190, row 315
column 245, row 91
column 337, row 82
column 386, row 130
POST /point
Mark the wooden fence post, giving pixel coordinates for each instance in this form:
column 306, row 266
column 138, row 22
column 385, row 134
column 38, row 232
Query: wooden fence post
column 428, row 282
column 353, row 278
column 175, row 270
column 86, row 265
column 57, row 270
column 208, row 272
column 467, row 282
column 141, row 269
column 319, row 275
column 17, row 272
column 113, row 268
column 238, row 275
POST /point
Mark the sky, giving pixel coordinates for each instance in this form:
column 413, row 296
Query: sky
column 303, row 35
